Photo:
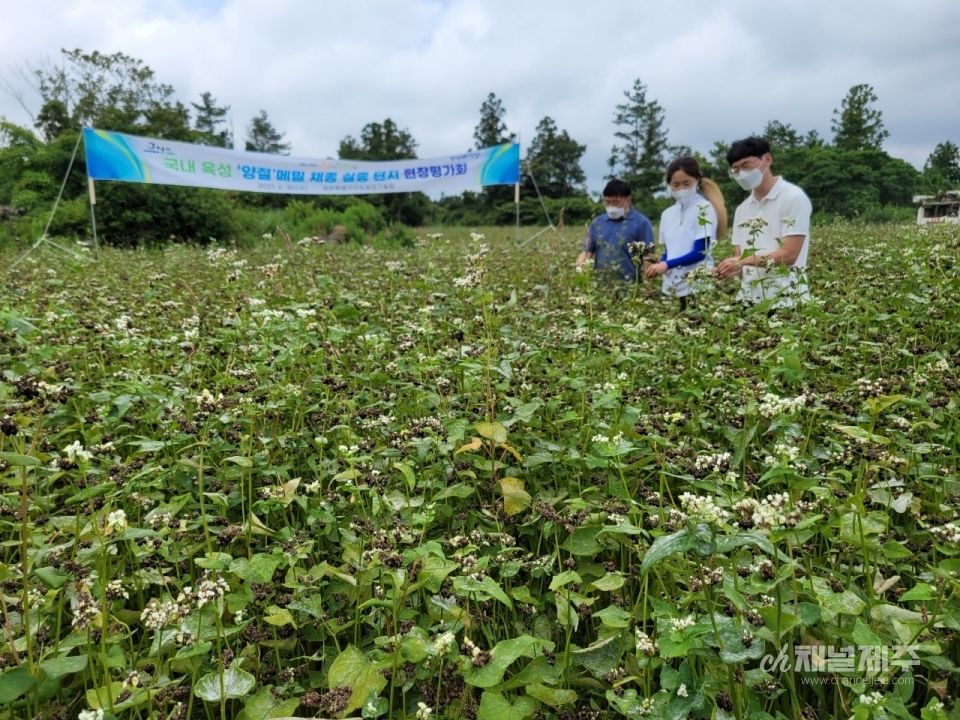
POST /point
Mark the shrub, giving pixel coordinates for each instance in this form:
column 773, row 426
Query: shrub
column 399, row 235
column 366, row 216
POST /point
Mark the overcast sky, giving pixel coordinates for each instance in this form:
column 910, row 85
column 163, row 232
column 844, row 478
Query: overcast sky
column 324, row 68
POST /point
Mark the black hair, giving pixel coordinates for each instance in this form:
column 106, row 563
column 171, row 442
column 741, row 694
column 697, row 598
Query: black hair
column 688, row 164
column 748, row 147
column 617, row 188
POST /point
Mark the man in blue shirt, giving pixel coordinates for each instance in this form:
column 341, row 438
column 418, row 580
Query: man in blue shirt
column 619, row 238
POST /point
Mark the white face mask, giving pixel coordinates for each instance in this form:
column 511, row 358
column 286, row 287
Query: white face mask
column 749, row 179
column 684, row 196
column 614, row 213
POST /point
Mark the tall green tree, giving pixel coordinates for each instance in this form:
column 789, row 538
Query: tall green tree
column 641, row 156
column 380, row 142
column 945, row 162
column 387, row 141
column 553, row 158
column 492, row 130
column 263, row 137
column 208, row 119
column 857, row 124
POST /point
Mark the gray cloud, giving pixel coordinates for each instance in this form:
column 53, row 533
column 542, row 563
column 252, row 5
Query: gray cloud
column 721, row 70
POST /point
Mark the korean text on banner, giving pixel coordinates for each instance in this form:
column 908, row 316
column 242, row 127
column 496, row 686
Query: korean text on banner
column 129, row 158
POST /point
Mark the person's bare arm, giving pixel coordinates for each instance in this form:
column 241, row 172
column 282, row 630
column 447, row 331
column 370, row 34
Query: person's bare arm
column 583, row 257
column 787, row 255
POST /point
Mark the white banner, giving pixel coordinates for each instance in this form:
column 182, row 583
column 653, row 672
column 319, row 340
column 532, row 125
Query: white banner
column 129, row 158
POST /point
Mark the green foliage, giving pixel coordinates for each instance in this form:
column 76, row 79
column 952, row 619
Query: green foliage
column 350, row 220
column 53, row 120
column 942, row 169
column 113, row 92
column 263, row 137
column 388, row 142
column 209, row 118
column 553, row 158
column 858, row 125
column 379, row 142
column 849, row 182
column 398, row 235
column 781, row 136
column 365, row 216
column 470, row 209
column 852, row 179
column 129, row 215
column 492, row 130
column 641, row 158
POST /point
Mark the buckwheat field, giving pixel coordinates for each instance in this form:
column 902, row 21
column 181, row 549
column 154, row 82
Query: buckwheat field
column 463, row 480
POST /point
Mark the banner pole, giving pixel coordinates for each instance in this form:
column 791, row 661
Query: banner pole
column 93, row 215
column 516, row 200
column 516, row 191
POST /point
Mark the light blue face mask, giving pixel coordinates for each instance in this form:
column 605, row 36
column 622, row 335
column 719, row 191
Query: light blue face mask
column 614, row 213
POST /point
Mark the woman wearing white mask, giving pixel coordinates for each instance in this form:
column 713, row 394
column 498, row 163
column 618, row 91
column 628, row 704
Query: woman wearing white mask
column 689, row 228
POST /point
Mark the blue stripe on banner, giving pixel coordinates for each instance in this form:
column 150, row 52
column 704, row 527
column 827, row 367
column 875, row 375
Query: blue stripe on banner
column 503, row 167
column 110, row 158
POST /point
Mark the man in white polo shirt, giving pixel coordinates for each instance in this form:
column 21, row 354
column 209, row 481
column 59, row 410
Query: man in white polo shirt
column 771, row 230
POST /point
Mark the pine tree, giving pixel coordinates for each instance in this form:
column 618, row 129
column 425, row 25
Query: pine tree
column 492, row 130
column 209, row 116
column 263, row 137
column 857, row 125
column 641, row 158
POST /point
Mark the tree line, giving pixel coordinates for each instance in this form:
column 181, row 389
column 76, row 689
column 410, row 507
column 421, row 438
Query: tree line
column 850, row 175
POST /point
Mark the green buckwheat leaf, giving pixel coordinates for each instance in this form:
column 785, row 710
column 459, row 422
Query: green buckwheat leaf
column 14, row 683
column 493, row 706
column 231, row 683
column 502, row 656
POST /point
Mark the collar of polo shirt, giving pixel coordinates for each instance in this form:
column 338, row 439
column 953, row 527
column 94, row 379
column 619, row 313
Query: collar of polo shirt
column 774, row 191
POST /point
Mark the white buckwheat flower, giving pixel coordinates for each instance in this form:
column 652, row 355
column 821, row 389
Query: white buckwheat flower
column 681, row 624
column 702, row 508
column 117, row 520
column 76, row 452
column 443, row 643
